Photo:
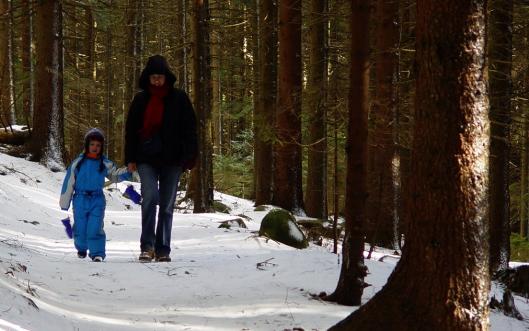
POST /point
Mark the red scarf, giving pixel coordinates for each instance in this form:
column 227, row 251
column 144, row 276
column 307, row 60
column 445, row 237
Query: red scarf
column 152, row 119
column 92, row 155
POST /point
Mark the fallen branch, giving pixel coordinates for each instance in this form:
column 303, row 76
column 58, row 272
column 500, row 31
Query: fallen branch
column 31, row 291
column 264, row 264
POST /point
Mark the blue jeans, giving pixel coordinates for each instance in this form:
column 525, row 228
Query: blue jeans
column 159, row 185
column 88, row 214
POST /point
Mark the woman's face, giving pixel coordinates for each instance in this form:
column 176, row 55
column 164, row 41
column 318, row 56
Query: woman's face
column 157, row 80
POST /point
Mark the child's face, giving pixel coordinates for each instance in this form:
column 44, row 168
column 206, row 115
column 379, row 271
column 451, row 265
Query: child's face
column 94, row 147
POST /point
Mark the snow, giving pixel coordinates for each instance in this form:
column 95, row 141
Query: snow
column 16, row 128
column 295, row 232
column 219, row 279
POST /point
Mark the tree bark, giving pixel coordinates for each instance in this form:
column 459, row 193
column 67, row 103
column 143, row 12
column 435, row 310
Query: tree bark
column 382, row 227
column 47, row 141
column 351, row 282
column 500, row 57
column 11, row 66
column 287, row 187
column 109, row 142
column 266, row 105
column 316, row 189
column 334, row 103
column 524, row 181
column 443, row 273
column 27, row 61
column 4, row 63
column 203, row 192
column 91, row 70
column 180, row 71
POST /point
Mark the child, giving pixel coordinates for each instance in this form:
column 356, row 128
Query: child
column 84, row 181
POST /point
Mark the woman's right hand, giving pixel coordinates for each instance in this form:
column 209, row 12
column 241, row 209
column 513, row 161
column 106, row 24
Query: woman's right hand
column 132, row 167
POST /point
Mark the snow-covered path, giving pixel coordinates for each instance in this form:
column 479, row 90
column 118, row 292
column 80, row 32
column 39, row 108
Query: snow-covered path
column 212, row 283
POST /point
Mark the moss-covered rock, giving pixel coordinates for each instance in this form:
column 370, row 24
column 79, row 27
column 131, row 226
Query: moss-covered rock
column 281, row 226
column 220, row 207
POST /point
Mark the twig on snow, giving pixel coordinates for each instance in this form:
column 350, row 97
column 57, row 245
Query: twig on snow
column 264, row 264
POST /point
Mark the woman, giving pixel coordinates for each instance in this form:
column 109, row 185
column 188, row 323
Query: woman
column 161, row 143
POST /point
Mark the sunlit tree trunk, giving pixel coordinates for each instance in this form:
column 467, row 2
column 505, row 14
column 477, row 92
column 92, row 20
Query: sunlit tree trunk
column 442, row 280
column 287, row 187
column 47, row 141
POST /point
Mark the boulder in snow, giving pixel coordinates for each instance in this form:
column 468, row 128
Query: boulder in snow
column 220, row 207
column 281, row 226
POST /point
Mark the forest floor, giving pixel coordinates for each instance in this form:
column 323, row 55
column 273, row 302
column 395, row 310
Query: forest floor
column 219, row 279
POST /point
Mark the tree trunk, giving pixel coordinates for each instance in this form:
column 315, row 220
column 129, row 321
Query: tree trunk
column 216, row 51
column 524, row 154
column 266, row 105
column 180, row 71
column 256, row 62
column 90, row 69
column 524, row 181
column 316, row 189
column 287, row 188
column 47, row 141
column 382, row 229
column 405, row 109
column 11, row 65
column 351, row 282
column 215, row 91
column 76, row 136
column 333, row 102
column 443, row 275
column 203, row 193
column 500, row 57
column 4, row 62
column 109, row 85
column 27, row 61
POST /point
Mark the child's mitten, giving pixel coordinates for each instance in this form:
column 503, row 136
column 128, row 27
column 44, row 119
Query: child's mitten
column 133, row 195
column 67, row 227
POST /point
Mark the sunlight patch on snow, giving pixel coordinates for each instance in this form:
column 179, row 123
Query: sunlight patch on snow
column 37, row 243
column 42, row 304
column 241, row 311
column 11, row 326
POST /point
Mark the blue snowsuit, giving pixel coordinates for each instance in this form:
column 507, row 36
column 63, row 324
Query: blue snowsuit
column 83, row 184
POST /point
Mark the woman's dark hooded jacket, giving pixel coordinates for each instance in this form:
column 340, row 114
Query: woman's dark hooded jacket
column 178, row 132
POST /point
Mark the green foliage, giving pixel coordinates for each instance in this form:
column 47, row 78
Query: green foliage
column 515, row 202
column 519, row 248
column 233, row 173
